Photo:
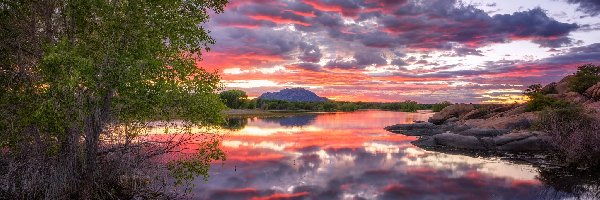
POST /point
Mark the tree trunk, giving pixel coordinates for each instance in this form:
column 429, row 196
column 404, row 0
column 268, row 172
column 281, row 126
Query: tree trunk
column 93, row 128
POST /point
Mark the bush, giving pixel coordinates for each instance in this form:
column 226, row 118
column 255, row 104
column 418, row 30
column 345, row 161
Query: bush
column 234, row 99
column 585, row 77
column 348, row 107
column 538, row 101
column 439, row 106
column 574, row 132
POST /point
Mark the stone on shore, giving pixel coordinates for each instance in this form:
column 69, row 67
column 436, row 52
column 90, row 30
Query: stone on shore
column 531, row 143
column 458, row 141
column 455, row 110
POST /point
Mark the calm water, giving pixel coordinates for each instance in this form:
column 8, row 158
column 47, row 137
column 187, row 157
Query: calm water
column 350, row 156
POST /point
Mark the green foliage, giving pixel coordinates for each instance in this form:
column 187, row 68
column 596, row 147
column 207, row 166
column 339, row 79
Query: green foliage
column 234, row 99
column 585, row 77
column 538, row 101
column 74, row 68
column 406, row 106
column 347, row 107
column 533, row 90
column 439, row 106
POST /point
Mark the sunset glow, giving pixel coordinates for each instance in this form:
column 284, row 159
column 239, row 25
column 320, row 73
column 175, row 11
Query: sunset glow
column 481, row 51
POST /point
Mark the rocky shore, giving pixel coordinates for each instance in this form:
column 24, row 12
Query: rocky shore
column 493, row 128
column 462, row 126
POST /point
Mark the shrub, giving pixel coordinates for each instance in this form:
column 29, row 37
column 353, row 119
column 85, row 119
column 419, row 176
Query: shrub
column 538, row 101
column 439, row 106
column 574, row 132
column 348, row 107
column 585, row 77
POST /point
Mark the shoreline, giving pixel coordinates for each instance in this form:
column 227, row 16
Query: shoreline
column 237, row 113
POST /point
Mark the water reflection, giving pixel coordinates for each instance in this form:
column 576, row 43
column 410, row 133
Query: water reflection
column 298, row 120
column 350, row 156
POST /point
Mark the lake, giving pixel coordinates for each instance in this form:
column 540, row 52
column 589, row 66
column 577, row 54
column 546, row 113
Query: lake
column 350, row 156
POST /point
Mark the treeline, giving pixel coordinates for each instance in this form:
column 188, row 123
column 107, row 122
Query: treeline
column 237, row 99
column 405, row 106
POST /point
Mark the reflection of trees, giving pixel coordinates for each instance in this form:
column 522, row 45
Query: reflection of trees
column 581, row 184
column 299, row 120
column 235, row 124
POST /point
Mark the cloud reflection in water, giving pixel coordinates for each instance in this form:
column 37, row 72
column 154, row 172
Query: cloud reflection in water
column 350, row 156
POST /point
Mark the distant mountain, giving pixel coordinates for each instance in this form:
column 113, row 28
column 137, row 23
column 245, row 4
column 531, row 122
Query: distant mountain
column 293, row 95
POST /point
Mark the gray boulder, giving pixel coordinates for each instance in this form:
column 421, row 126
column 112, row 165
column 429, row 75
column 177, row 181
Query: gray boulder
column 532, row 143
column 459, row 141
column 455, row 110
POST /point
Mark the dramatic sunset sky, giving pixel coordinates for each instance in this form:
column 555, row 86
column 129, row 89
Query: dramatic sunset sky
column 395, row 50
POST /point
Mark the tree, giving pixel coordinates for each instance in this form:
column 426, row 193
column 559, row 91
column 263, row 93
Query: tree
column 585, row 77
column 72, row 70
column 533, row 90
column 234, row 98
column 439, row 106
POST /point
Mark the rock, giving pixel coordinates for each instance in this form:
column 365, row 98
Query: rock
column 475, row 114
column 550, row 88
column 511, row 137
column 519, row 121
column 425, row 141
column 455, row 110
column 594, row 106
column 483, row 132
column 563, row 85
column 594, row 92
column 459, row 141
column 532, row 143
column 452, row 119
column 416, row 129
column 574, row 97
column 515, row 111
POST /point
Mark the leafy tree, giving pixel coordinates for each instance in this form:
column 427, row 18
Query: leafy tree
column 234, row 99
column 539, row 101
column 585, row 77
column 439, row 106
column 533, row 90
column 73, row 70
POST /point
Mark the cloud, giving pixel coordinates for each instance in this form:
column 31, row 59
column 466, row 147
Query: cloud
column 306, row 66
column 591, row 7
column 335, row 46
column 310, row 53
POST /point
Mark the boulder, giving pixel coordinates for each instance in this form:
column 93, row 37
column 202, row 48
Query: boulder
column 550, row 88
column 594, row 106
column 594, row 92
column 455, row 110
column 425, row 141
column 532, row 143
column 563, row 85
column 452, row 119
column 574, row 97
column 459, row 141
column 475, row 114
column 511, row 137
column 519, row 121
column 483, row 132
column 416, row 129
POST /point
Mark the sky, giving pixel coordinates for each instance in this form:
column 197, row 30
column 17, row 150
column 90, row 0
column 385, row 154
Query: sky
column 477, row 51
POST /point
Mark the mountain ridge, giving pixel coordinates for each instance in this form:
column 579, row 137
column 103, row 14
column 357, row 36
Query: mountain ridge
column 293, row 95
